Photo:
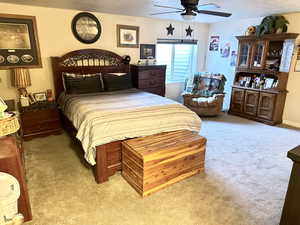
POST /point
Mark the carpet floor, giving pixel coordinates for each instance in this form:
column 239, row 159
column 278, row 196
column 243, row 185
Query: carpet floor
column 244, row 183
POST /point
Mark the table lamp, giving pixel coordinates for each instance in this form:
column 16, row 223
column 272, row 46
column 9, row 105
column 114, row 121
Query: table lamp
column 21, row 80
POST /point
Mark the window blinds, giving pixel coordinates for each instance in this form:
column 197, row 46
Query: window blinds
column 180, row 58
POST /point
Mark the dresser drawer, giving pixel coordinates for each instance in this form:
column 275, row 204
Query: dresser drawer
column 152, row 74
column 149, row 83
column 29, row 117
column 40, row 126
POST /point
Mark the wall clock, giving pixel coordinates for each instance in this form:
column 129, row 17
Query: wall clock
column 86, row 27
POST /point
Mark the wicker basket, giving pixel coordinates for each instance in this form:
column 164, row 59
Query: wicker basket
column 9, row 125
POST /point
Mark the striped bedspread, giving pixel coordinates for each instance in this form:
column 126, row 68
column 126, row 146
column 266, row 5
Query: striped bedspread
column 110, row 116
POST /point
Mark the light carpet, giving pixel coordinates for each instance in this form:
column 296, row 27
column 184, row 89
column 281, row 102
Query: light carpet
column 245, row 182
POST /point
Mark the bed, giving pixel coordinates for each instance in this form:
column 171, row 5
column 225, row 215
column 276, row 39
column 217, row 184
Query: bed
column 100, row 120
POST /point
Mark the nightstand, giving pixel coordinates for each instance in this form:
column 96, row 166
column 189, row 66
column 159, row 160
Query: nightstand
column 40, row 119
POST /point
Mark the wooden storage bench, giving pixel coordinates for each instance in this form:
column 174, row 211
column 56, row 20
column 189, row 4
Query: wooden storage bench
column 154, row 162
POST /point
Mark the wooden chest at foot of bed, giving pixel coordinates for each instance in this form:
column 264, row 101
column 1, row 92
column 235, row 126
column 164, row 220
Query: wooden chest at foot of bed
column 154, row 162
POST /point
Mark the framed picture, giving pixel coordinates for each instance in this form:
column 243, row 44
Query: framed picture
column 127, row 36
column 19, row 45
column 40, row 97
column 214, row 43
column 147, row 51
column 31, row 98
column 269, row 83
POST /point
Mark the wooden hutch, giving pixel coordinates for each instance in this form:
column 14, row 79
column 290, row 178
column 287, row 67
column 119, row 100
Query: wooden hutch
column 261, row 76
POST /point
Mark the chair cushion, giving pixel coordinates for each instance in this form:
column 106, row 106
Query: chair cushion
column 203, row 102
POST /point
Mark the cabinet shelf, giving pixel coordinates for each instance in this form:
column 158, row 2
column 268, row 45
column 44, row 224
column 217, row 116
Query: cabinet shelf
column 271, row 90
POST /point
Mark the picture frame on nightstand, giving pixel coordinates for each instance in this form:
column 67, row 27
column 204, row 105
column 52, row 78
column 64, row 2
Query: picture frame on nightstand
column 40, row 96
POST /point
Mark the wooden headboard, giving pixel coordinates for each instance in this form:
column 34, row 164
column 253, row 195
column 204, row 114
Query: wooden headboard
column 86, row 61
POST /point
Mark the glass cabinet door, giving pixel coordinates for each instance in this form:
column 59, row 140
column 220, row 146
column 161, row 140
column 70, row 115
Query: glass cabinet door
column 244, row 54
column 258, row 56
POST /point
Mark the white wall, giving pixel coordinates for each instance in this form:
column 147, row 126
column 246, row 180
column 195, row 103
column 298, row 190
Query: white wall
column 56, row 39
column 214, row 62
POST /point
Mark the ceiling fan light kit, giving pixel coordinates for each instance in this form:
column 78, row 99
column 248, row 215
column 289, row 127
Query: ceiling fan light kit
column 188, row 17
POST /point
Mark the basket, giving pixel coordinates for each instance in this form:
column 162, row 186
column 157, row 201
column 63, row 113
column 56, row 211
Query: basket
column 9, row 125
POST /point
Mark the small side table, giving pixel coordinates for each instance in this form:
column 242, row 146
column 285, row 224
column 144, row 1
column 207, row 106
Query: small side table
column 291, row 210
column 40, row 119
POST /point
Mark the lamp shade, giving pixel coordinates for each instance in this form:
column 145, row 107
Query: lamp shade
column 20, row 78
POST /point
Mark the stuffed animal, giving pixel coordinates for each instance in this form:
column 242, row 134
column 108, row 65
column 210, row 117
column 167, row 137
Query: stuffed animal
column 251, row 30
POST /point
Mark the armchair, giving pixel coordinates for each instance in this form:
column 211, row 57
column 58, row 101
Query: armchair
column 206, row 95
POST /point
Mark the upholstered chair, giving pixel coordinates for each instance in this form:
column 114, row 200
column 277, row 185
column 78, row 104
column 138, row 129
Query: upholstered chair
column 206, row 99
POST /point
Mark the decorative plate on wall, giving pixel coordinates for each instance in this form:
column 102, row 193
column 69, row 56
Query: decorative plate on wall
column 86, row 27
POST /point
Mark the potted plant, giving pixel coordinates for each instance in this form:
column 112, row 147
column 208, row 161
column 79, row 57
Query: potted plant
column 272, row 24
column 281, row 24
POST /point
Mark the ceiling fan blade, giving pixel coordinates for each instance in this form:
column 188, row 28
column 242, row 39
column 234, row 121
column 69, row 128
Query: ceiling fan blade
column 167, row 7
column 213, row 13
column 210, row 5
column 152, row 14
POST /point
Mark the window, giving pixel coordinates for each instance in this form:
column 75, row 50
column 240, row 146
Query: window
column 181, row 60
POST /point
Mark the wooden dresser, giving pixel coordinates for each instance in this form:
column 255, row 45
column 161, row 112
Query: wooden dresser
column 150, row 78
column 40, row 119
column 11, row 163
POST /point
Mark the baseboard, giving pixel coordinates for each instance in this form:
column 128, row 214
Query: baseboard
column 291, row 123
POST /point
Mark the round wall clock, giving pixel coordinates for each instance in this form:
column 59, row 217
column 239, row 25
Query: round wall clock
column 86, row 27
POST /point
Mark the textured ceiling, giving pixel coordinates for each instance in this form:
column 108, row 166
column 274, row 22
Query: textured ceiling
column 239, row 8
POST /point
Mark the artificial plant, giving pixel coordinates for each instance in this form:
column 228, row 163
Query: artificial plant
column 271, row 25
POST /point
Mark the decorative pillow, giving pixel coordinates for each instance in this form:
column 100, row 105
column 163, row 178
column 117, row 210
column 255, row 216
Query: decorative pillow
column 82, row 83
column 117, row 81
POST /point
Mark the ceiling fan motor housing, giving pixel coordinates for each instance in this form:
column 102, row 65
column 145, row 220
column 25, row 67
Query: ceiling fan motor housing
column 190, row 4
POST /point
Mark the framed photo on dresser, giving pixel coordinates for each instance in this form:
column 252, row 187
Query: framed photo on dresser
column 147, row 51
column 19, row 45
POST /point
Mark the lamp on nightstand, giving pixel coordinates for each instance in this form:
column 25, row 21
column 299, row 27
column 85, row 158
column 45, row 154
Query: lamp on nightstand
column 21, row 80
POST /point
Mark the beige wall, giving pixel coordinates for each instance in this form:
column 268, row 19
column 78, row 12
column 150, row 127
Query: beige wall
column 227, row 32
column 56, row 39
column 292, row 105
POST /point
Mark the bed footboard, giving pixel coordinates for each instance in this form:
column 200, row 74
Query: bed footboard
column 108, row 161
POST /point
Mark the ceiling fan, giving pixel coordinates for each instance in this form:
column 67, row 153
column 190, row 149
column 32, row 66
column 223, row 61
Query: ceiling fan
column 191, row 8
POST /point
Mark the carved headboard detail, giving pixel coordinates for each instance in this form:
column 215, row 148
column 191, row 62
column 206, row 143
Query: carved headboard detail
column 86, row 61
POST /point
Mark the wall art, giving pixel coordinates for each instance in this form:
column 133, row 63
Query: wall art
column 147, row 51
column 127, row 36
column 214, row 43
column 225, row 50
column 19, row 45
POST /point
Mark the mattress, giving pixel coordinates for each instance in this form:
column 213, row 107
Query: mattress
column 101, row 118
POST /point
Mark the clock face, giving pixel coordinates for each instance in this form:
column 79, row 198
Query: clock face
column 86, row 28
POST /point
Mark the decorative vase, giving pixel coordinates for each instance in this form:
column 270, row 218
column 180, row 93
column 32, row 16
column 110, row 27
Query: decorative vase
column 279, row 31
